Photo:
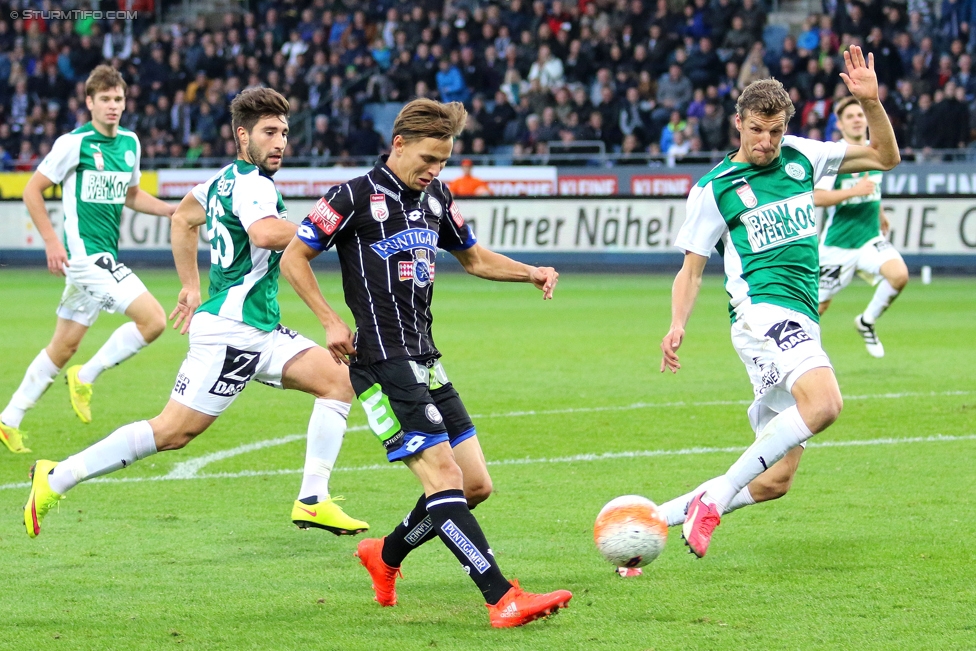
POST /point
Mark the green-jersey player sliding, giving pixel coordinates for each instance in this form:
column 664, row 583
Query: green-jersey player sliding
column 97, row 166
column 236, row 335
column 854, row 236
column 756, row 207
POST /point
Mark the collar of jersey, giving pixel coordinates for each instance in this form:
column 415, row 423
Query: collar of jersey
column 382, row 167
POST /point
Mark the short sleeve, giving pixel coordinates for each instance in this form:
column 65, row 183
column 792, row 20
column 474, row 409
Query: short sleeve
column 825, row 157
column 255, row 198
column 704, row 224
column 136, row 169
column 200, row 193
column 454, row 233
column 61, row 160
column 331, row 214
column 826, row 182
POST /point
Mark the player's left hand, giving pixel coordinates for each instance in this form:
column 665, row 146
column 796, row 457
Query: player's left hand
column 339, row 338
column 860, row 77
column 885, row 224
column 669, row 349
column 545, row 278
column 186, row 305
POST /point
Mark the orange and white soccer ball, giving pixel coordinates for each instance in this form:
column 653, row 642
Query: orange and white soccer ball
column 630, row 531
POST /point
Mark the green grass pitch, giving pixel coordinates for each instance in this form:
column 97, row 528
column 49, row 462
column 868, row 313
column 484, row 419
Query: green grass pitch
column 873, row 549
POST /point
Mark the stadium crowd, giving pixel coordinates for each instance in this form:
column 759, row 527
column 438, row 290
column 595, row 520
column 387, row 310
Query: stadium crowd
column 644, row 77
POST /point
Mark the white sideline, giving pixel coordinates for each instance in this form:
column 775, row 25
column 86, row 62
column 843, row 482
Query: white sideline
column 191, row 469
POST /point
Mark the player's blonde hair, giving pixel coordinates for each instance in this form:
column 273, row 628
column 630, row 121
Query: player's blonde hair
column 104, row 77
column 425, row 118
column 767, row 97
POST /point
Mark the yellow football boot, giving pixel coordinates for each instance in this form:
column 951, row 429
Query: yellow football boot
column 326, row 515
column 13, row 438
column 80, row 394
column 41, row 498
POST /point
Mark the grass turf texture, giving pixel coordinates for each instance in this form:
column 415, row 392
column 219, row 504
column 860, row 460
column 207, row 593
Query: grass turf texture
column 873, row 549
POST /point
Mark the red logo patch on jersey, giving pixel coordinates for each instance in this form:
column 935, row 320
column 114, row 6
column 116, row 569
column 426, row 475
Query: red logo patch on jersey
column 325, row 217
column 456, row 215
column 377, row 206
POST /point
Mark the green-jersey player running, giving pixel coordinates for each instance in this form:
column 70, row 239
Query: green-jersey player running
column 97, row 166
column 854, row 236
column 756, row 207
column 235, row 335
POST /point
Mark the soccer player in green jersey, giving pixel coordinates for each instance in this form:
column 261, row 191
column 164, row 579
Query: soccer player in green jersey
column 97, row 166
column 854, row 237
column 235, row 335
column 756, row 207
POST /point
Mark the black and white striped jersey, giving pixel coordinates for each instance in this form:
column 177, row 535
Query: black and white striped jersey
column 387, row 237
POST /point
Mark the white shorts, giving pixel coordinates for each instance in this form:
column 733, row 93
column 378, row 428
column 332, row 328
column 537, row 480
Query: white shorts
column 225, row 355
column 837, row 265
column 777, row 345
column 95, row 283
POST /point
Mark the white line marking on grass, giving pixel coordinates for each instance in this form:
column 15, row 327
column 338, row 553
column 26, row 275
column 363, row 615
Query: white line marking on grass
column 576, row 458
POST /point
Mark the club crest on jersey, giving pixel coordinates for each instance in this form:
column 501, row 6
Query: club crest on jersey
column 325, row 217
column 795, row 171
column 434, row 205
column 377, row 207
column 747, row 196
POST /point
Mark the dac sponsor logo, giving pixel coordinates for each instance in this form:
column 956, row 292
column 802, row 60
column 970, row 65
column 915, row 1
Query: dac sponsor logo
column 788, row 335
column 239, row 367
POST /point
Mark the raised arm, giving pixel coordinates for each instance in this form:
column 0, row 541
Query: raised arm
column 882, row 153
column 684, row 293
column 296, row 267
column 184, row 234
column 479, row 261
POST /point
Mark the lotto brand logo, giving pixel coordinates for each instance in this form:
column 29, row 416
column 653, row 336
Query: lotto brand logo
column 182, row 382
column 239, row 367
column 479, row 562
column 325, row 217
column 788, row 335
column 456, row 215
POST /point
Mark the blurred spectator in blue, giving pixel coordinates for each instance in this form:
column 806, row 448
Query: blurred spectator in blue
column 450, row 83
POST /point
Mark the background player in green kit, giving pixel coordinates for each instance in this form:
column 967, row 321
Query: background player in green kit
column 97, row 166
column 854, row 233
column 756, row 207
column 235, row 335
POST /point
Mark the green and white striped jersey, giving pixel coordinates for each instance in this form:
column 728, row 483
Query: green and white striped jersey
column 94, row 172
column 763, row 223
column 851, row 223
column 243, row 277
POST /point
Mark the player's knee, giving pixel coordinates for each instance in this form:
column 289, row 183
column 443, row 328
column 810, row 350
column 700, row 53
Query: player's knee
column 171, row 439
column 899, row 279
column 829, row 410
column 478, row 492
column 151, row 330
column 823, row 307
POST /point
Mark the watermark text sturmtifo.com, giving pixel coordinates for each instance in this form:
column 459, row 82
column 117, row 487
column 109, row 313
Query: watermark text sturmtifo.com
column 73, row 14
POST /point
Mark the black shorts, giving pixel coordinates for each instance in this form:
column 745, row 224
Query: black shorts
column 410, row 405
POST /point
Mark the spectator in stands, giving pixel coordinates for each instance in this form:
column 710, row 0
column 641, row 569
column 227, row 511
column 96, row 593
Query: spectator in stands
column 674, row 91
column 547, row 69
column 467, row 185
column 924, row 124
column 753, row 67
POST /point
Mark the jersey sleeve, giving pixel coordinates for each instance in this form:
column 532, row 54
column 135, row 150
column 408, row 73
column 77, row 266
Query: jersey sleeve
column 825, row 157
column 704, row 224
column 61, row 160
column 255, row 198
column 330, row 216
column 826, row 182
column 454, row 233
column 136, row 169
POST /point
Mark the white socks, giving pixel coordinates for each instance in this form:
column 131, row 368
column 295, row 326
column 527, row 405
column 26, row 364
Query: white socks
column 883, row 296
column 125, row 342
column 120, row 449
column 39, row 376
column 675, row 510
column 326, row 428
column 780, row 435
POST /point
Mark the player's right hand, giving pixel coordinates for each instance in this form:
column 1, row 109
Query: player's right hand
column 186, row 305
column 864, row 187
column 669, row 346
column 338, row 339
column 57, row 257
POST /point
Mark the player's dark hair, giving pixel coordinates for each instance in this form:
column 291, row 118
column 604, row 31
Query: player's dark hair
column 425, row 118
column 252, row 104
column 843, row 103
column 767, row 97
column 104, row 77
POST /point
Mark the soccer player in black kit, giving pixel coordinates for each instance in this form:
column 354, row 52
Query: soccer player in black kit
column 386, row 227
